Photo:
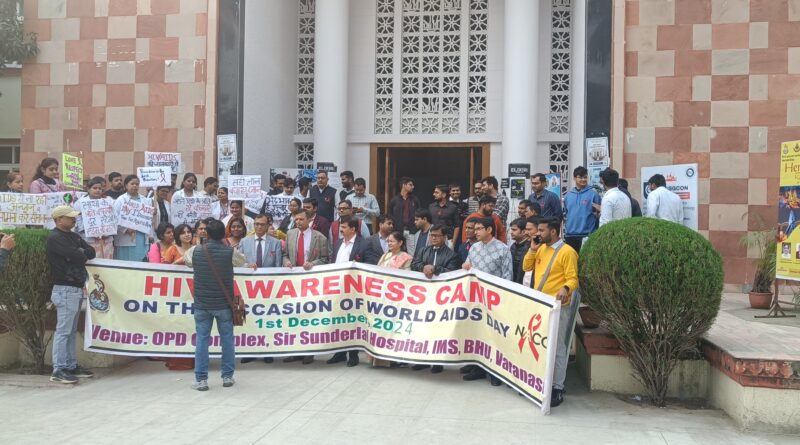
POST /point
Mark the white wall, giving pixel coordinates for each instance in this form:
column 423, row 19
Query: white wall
column 270, row 85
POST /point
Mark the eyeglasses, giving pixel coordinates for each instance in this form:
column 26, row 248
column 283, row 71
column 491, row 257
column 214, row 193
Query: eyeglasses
column 435, row 235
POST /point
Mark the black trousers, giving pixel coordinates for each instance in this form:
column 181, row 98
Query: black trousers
column 575, row 242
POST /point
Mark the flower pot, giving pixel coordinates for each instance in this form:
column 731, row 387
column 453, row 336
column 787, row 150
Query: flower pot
column 590, row 318
column 760, row 300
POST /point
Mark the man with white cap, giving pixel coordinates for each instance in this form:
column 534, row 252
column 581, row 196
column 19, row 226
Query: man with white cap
column 67, row 254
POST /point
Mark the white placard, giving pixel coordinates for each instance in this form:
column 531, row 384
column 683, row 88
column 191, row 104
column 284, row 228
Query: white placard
column 189, row 210
column 98, row 217
column 681, row 180
column 136, row 215
column 597, row 158
column 163, row 159
column 242, row 187
column 253, row 205
column 21, row 209
column 226, row 148
column 154, row 176
column 278, row 207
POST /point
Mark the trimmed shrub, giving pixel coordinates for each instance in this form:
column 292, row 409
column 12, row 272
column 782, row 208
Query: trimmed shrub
column 25, row 288
column 658, row 286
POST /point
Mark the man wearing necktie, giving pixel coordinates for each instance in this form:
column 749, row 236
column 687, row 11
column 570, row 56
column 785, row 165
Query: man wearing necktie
column 261, row 250
column 305, row 248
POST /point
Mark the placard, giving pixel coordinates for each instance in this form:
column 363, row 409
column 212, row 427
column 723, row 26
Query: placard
column 136, row 215
column 278, row 207
column 517, row 188
column 597, row 158
column 226, row 148
column 681, row 180
column 554, row 183
column 189, row 210
column 23, row 209
column 787, row 265
column 58, row 199
column 519, row 171
column 163, row 159
column 242, row 187
column 253, row 206
column 72, row 171
column 154, row 176
column 98, row 217
column 328, row 167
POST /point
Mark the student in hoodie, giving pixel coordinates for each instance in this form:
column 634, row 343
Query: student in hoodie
column 581, row 219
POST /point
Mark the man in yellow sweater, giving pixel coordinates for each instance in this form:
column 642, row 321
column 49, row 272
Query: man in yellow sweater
column 555, row 272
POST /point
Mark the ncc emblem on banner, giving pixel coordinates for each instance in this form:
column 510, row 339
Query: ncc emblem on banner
column 98, row 299
column 531, row 336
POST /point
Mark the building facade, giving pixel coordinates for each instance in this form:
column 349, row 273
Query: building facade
column 441, row 90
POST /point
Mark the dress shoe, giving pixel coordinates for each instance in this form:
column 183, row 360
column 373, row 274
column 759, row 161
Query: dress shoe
column 268, row 359
column 419, row 367
column 466, row 369
column 246, row 360
column 437, row 369
column 475, row 374
column 556, row 397
column 308, row 359
column 494, row 381
column 294, row 358
column 338, row 357
column 353, row 360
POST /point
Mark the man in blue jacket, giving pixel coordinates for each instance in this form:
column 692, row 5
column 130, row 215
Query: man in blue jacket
column 581, row 218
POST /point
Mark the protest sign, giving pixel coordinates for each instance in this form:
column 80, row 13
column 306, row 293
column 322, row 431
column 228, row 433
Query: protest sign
column 681, row 180
column 244, row 187
column 455, row 318
column 253, row 206
column 278, row 206
column 54, row 200
column 97, row 217
column 20, row 209
column 71, row 171
column 136, row 215
column 158, row 159
column 788, row 249
column 154, row 176
column 226, row 148
column 189, row 210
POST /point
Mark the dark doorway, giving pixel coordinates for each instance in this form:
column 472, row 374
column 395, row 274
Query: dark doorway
column 428, row 165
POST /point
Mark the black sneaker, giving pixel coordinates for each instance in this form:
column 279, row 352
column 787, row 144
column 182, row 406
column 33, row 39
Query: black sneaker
column 435, row 369
column 247, row 360
column 494, row 381
column 419, row 367
column 556, row 397
column 63, row 376
column 268, row 359
column 475, row 374
column 81, row 372
column 466, row 369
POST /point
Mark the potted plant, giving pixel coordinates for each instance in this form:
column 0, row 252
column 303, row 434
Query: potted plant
column 765, row 243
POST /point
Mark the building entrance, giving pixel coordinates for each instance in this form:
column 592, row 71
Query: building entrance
column 428, row 165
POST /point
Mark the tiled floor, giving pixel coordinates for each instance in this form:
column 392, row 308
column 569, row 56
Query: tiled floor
column 320, row 404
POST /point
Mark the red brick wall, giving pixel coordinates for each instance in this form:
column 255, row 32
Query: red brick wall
column 716, row 82
column 113, row 79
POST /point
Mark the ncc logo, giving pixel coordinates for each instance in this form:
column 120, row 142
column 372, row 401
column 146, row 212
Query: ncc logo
column 532, row 336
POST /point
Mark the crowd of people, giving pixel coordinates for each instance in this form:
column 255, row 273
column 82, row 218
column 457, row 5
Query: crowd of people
column 537, row 248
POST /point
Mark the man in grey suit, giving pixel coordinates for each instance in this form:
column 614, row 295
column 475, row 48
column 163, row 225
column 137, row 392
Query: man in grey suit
column 350, row 247
column 305, row 248
column 377, row 244
column 261, row 250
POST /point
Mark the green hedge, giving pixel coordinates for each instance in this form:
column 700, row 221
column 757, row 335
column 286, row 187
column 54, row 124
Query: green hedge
column 658, row 285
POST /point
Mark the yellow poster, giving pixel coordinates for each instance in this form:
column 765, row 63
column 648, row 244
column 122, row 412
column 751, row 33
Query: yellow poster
column 787, row 265
column 455, row 319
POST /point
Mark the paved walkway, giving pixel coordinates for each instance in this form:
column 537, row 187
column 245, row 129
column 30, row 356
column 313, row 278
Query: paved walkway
column 320, row 404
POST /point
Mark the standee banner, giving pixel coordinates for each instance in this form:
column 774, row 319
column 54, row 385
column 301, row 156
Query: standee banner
column 457, row 318
column 681, row 180
column 787, row 265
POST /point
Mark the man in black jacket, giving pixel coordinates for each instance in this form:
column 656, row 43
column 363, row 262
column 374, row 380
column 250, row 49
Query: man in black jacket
column 350, row 247
column 67, row 254
column 519, row 247
column 636, row 209
column 434, row 259
column 325, row 196
column 377, row 244
column 210, row 303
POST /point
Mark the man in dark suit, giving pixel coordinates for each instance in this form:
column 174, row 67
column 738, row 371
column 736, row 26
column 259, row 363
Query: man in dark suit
column 317, row 221
column 377, row 244
column 350, row 247
column 305, row 248
column 434, row 259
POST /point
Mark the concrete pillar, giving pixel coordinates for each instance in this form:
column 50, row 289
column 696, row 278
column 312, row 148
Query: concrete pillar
column 577, row 129
column 330, row 81
column 520, row 80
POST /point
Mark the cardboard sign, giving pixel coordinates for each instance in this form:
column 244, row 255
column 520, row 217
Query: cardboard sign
column 136, row 215
column 154, row 176
column 72, row 171
column 158, row 159
column 189, row 210
column 98, row 217
column 242, row 187
column 23, row 209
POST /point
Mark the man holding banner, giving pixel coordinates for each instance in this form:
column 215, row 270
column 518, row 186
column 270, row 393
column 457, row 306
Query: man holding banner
column 555, row 272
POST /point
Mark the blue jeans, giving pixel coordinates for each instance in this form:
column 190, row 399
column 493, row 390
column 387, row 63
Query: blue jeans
column 203, row 319
column 67, row 300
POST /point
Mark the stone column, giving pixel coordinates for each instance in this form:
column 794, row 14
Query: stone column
column 520, row 80
column 577, row 128
column 330, row 81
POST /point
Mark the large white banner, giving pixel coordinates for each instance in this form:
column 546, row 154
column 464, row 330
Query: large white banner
column 681, row 180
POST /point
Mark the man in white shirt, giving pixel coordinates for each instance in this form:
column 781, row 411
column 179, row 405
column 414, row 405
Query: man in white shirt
column 663, row 203
column 615, row 204
column 365, row 205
